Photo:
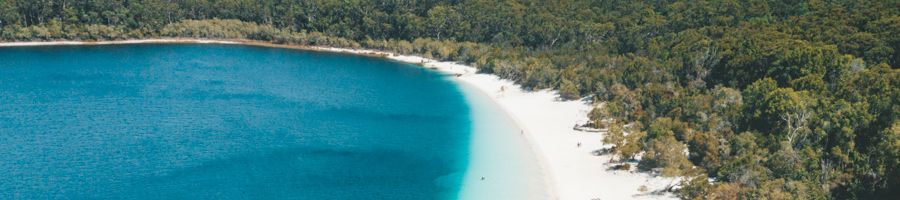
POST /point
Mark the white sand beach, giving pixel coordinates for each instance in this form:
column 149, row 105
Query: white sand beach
column 571, row 171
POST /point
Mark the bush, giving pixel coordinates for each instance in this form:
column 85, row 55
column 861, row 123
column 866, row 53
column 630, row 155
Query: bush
column 667, row 153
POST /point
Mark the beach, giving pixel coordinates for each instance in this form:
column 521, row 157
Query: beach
column 565, row 156
column 572, row 171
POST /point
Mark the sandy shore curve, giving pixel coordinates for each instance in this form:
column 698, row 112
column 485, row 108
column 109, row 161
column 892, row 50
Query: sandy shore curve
column 571, row 170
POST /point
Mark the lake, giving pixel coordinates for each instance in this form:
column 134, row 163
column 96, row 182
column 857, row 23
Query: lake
column 208, row 121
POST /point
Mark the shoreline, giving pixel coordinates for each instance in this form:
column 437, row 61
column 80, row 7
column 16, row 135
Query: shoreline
column 569, row 171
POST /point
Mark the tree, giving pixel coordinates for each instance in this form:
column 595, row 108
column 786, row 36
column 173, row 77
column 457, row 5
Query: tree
column 632, row 142
column 8, row 14
column 887, row 29
column 568, row 90
column 792, row 110
column 616, row 137
column 755, row 103
column 669, row 154
column 445, row 21
column 625, row 144
column 812, row 87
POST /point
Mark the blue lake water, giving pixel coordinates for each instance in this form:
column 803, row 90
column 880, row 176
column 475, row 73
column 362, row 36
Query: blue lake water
column 188, row 121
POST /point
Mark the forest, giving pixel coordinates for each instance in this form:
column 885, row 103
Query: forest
column 781, row 99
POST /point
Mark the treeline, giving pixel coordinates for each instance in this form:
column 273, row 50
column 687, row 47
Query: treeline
column 210, row 29
column 771, row 99
column 236, row 29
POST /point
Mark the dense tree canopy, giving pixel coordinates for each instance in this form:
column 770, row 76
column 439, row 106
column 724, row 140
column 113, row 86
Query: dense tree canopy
column 771, row 99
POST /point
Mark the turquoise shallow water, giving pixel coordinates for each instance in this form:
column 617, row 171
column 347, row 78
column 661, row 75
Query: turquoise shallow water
column 189, row 121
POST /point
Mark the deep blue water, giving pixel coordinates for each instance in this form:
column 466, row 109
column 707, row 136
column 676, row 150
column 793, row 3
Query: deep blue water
column 189, row 121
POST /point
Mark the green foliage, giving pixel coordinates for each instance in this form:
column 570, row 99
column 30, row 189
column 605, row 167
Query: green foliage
column 633, row 142
column 667, row 153
column 615, row 136
column 626, row 143
column 773, row 99
column 568, row 90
